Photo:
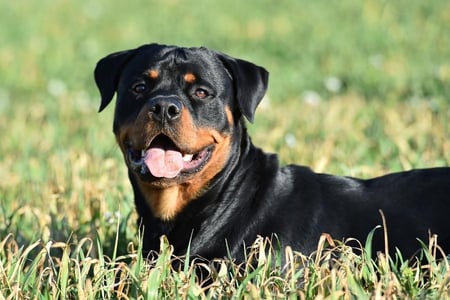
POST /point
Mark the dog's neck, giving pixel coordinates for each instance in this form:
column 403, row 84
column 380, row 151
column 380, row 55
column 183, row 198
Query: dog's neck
column 168, row 203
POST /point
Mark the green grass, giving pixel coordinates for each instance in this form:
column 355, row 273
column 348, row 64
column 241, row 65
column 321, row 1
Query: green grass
column 67, row 221
column 335, row 271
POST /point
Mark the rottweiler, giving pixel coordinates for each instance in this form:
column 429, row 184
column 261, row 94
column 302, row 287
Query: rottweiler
column 180, row 122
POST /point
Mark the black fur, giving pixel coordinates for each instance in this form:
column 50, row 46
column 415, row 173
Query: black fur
column 252, row 194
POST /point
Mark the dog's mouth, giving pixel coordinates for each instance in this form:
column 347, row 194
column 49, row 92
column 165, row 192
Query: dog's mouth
column 163, row 159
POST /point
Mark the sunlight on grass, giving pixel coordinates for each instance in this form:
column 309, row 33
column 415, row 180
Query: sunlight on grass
column 356, row 88
column 335, row 270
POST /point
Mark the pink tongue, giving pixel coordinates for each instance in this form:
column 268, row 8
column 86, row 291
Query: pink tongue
column 163, row 163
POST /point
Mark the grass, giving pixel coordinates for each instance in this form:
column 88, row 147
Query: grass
column 335, row 271
column 356, row 89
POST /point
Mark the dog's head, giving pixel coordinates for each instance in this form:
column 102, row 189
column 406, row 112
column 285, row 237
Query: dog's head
column 175, row 113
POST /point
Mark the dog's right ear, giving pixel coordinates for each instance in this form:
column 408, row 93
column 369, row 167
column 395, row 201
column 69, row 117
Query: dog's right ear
column 107, row 73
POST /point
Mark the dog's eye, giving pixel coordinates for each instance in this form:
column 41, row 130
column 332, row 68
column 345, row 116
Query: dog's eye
column 139, row 88
column 201, row 93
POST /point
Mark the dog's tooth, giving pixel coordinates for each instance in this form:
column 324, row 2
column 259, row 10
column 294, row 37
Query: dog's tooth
column 187, row 157
column 142, row 153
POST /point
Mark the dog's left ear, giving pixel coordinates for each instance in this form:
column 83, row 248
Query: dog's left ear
column 250, row 83
column 107, row 74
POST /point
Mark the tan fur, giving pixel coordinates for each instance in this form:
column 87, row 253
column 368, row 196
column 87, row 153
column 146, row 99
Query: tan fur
column 167, row 201
column 164, row 202
column 153, row 74
column 168, row 197
column 189, row 78
column 229, row 114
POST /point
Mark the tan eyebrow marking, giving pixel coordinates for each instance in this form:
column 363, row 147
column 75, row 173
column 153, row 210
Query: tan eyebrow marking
column 189, row 78
column 153, row 74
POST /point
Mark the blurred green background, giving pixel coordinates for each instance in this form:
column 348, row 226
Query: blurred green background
column 396, row 49
column 356, row 88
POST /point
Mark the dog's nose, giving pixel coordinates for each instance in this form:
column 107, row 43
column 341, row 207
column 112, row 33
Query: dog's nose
column 165, row 109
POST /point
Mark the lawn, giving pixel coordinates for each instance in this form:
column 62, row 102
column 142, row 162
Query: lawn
column 356, row 88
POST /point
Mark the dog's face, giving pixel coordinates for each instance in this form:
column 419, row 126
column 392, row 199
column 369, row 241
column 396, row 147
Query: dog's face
column 176, row 110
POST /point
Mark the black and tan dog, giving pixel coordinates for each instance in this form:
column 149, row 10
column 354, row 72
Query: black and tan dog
column 198, row 179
